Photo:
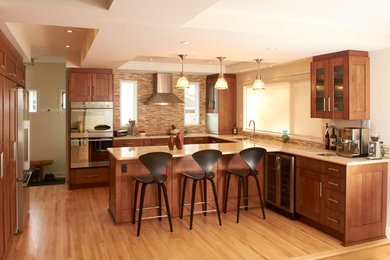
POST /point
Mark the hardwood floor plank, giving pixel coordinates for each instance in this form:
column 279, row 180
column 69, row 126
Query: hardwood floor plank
column 75, row 224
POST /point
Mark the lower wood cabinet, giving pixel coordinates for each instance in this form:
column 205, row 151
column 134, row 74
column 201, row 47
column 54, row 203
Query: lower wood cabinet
column 348, row 202
column 89, row 177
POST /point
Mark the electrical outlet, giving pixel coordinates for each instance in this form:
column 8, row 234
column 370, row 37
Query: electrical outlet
column 123, row 168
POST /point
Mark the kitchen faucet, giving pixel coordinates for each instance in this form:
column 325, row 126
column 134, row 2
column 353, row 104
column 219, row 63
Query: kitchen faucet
column 254, row 129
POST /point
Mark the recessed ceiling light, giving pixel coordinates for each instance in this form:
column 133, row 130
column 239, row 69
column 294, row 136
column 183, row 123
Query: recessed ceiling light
column 151, row 59
column 185, row 42
column 209, row 61
column 69, row 31
column 67, row 46
column 270, row 49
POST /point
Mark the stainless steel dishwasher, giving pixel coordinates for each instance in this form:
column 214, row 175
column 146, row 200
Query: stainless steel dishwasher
column 280, row 184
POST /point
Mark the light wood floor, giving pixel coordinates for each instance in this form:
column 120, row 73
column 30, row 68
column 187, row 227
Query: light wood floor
column 75, row 224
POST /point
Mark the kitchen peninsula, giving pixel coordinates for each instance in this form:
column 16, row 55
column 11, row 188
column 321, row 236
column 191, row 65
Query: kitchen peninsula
column 343, row 197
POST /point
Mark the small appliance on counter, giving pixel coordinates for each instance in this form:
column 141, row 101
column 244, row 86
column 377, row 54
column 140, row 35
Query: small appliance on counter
column 118, row 133
column 352, row 142
column 375, row 148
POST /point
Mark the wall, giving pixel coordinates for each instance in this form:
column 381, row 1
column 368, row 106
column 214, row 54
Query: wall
column 156, row 119
column 379, row 99
column 48, row 127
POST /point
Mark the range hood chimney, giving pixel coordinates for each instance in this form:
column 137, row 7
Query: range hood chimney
column 163, row 95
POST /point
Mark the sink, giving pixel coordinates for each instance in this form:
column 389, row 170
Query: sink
column 325, row 154
column 241, row 138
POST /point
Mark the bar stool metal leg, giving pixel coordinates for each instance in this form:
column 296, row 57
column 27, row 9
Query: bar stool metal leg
column 216, row 201
column 135, row 200
column 159, row 200
column 246, row 185
column 167, row 205
column 183, row 196
column 239, row 198
column 193, row 202
column 205, row 197
column 226, row 193
column 260, row 197
column 141, row 207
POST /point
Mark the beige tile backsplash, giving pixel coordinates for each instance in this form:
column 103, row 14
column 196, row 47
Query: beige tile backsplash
column 156, row 119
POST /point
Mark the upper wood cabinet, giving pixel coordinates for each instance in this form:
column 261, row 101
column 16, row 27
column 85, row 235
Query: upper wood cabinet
column 2, row 54
column 222, row 102
column 340, row 86
column 90, row 85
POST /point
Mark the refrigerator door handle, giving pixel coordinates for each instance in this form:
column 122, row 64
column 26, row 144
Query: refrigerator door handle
column 2, row 164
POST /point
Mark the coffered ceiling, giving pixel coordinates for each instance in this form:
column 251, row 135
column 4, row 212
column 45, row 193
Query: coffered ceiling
column 148, row 35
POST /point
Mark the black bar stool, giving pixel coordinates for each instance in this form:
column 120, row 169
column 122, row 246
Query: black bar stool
column 155, row 163
column 206, row 160
column 252, row 157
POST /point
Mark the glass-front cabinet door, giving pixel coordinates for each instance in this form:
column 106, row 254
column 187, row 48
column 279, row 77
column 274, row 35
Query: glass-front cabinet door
column 338, row 87
column 320, row 100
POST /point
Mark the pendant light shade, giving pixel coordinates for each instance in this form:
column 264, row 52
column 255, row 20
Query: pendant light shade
column 258, row 84
column 221, row 82
column 182, row 82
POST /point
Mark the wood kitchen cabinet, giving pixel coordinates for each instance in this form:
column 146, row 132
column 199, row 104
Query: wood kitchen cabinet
column 355, row 214
column 222, row 102
column 2, row 54
column 340, row 86
column 90, row 85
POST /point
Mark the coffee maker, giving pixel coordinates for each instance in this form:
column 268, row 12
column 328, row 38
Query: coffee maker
column 375, row 148
column 352, row 142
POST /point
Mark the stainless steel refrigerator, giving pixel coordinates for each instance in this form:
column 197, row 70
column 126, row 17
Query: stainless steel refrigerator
column 23, row 158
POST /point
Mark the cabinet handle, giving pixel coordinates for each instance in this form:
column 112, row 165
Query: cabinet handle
column 333, row 183
column 333, row 169
column 332, row 200
column 333, row 220
column 2, row 164
column 324, row 104
column 2, row 66
column 91, row 176
column 320, row 189
column 329, row 104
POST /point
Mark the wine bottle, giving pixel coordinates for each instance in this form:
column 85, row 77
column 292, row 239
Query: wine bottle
column 333, row 140
column 327, row 137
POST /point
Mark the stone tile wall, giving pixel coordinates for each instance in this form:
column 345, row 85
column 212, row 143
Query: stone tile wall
column 156, row 119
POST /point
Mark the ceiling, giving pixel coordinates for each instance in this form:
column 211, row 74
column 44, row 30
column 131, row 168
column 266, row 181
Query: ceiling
column 147, row 34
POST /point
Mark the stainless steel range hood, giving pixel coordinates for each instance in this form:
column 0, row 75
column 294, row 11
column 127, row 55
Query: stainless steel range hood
column 163, row 95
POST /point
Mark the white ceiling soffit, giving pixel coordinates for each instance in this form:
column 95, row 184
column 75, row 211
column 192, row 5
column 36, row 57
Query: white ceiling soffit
column 278, row 31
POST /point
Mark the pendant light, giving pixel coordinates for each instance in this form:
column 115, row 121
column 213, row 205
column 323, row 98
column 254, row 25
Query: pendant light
column 258, row 84
column 221, row 82
column 182, row 82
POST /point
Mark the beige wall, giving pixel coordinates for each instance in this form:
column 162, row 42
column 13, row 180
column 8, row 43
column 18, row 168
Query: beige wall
column 380, row 94
column 154, row 118
column 48, row 127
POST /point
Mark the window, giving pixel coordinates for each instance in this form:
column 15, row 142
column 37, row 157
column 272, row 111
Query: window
column 191, row 107
column 269, row 108
column 62, row 99
column 33, row 100
column 128, row 101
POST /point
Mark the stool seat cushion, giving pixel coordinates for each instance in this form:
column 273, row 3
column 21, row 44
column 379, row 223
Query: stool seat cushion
column 243, row 172
column 149, row 178
column 198, row 175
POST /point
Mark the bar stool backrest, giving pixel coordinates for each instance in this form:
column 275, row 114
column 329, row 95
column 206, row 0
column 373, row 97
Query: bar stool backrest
column 207, row 159
column 252, row 156
column 155, row 163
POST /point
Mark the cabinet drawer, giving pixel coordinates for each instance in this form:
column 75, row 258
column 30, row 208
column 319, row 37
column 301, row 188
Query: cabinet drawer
column 89, row 175
column 127, row 143
column 147, row 142
column 335, row 200
column 334, row 220
column 311, row 164
column 336, row 184
column 335, row 170
column 160, row 141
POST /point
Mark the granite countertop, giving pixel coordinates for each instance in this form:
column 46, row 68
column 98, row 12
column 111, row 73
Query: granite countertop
column 128, row 137
column 129, row 153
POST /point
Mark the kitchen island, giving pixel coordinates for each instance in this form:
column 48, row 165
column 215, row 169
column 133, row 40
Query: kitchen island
column 343, row 197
